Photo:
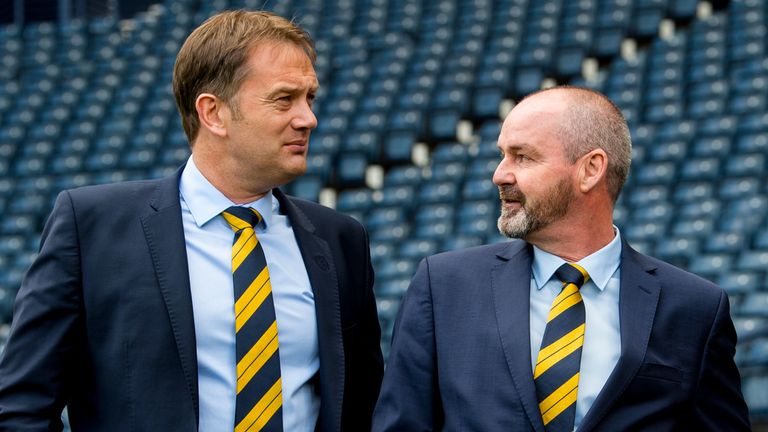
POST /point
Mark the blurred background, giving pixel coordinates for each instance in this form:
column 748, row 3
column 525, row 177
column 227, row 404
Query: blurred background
column 411, row 101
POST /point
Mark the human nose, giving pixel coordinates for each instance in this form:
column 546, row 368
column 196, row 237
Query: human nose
column 504, row 174
column 305, row 118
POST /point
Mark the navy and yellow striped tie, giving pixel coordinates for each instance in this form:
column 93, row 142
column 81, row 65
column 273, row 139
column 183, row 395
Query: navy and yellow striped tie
column 259, row 390
column 556, row 374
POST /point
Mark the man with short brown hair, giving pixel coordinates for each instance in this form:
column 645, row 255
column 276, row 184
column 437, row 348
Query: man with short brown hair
column 208, row 300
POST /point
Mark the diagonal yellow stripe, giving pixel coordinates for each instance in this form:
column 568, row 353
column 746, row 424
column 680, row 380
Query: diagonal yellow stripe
column 560, row 399
column 242, row 240
column 558, row 350
column 567, row 298
column 269, row 411
column 239, row 254
column 582, row 270
column 567, row 291
column 235, row 223
column 257, row 348
column 253, row 289
column 250, row 307
column 264, row 409
column 259, row 354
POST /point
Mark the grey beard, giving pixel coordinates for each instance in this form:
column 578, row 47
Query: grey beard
column 516, row 225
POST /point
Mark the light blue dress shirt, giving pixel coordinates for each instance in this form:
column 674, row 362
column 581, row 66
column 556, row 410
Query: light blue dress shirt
column 602, row 339
column 209, row 251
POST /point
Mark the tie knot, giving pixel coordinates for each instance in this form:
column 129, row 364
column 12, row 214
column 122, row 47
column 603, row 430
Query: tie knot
column 240, row 218
column 570, row 273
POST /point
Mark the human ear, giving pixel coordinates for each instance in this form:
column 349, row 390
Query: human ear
column 592, row 169
column 212, row 113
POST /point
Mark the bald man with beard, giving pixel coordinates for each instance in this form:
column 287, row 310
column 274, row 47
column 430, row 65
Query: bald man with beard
column 566, row 327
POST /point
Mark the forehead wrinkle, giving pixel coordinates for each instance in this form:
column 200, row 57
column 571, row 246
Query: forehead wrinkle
column 288, row 87
column 517, row 146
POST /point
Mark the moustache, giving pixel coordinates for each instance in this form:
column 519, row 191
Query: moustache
column 511, row 193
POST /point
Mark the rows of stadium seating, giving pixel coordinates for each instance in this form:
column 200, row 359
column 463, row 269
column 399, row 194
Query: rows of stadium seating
column 415, row 90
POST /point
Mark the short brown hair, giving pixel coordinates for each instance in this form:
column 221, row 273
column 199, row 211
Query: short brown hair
column 212, row 59
column 592, row 121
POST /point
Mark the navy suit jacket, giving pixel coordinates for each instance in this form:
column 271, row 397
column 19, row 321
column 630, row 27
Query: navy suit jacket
column 461, row 358
column 103, row 320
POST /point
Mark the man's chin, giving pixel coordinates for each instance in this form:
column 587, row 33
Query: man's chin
column 511, row 229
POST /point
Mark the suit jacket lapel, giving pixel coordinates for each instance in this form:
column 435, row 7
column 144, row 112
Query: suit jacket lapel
column 321, row 269
column 164, row 234
column 511, row 282
column 638, row 298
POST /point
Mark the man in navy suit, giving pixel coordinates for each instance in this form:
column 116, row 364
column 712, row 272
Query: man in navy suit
column 127, row 316
column 649, row 347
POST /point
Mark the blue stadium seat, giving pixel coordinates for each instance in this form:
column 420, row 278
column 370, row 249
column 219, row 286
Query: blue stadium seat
column 480, row 189
column 439, row 192
column 746, row 165
column 485, row 166
column 451, row 152
column 740, row 282
column 487, row 100
column 700, row 169
column 395, row 233
column 714, row 145
column 698, row 227
column 434, row 230
column 400, row 195
column 527, row 80
column 403, row 175
column 646, row 195
column 752, row 142
column 711, row 265
column 727, row 241
column 396, row 268
column 753, row 260
column 761, row 238
column 657, row 173
column 645, row 22
column 445, row 171
column 306, row 187
column 442, row 124
column 354, row 200
column 398, row 146
column 351, row 168
column 659, row 211
column 734, row 188
column 672, row 150
column 755, row 304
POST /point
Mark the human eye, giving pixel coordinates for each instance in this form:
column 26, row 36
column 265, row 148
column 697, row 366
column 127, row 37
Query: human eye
column 282, row 101
column 520, row 157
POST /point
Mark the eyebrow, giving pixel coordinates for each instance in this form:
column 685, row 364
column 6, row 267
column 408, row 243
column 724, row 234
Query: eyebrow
column 516, row 146
column 292, row 88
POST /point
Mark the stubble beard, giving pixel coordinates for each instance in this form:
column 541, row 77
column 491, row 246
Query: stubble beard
column 533, row 215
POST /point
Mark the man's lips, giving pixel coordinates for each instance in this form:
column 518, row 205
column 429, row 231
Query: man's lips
column 296, row 145
column 511, row 199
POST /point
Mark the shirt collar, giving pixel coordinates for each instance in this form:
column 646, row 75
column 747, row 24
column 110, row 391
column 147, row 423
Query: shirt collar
column 205, row 202
column 600, row 265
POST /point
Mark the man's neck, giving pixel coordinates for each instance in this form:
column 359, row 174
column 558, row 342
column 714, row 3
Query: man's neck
column 226, row 184
column 573, row 243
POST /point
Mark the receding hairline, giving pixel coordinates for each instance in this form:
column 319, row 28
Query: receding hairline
column 597, row 100
column 590, row 120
